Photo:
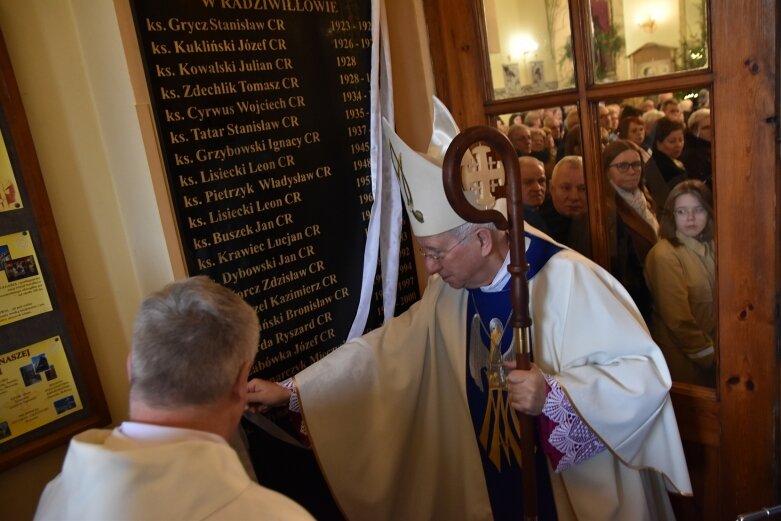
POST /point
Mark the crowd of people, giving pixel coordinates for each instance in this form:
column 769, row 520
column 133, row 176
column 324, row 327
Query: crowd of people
column 650, row 152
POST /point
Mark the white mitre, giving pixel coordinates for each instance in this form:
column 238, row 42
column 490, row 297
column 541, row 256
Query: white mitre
column 420, row 176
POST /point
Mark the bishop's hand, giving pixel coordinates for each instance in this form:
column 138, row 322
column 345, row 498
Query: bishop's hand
column 262, row 395
column 526, row 390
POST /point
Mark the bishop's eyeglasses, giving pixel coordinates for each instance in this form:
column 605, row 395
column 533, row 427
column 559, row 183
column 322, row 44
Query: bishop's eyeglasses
column 437, row 256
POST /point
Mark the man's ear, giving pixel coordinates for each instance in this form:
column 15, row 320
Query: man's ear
column 239, row 389
column 486, row 239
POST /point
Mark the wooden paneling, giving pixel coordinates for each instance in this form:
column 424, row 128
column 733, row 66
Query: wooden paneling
column 700, row 406
column 747, row 238
column 457, row 52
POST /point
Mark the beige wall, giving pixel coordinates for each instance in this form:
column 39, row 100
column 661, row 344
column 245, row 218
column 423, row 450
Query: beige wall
column 70, row 70
column 76, row 88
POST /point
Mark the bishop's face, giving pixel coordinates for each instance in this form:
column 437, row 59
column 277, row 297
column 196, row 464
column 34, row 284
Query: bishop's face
column 458, row 262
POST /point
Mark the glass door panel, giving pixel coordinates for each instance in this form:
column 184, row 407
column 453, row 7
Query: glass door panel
column 549, row 146
column 661, row 223
column 529, row 46
column 646, row 38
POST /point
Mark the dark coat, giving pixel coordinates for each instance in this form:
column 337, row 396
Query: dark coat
column 631, row 239
column 696, row 157
column 566, row 230
column 532, row 216
column 661, row 173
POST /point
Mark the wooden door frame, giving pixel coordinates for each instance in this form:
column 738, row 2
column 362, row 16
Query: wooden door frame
column 747, row 188
column 741, row 418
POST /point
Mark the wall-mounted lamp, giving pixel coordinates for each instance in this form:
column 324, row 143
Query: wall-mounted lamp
column 521, row 45
column 647, row 23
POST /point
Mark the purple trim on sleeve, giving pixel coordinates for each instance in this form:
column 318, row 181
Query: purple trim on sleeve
column 294, row 405
column 295, row 409
column 567, row 439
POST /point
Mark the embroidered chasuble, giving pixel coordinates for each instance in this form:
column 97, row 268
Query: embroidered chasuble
column 389, row 413
column 489, row 343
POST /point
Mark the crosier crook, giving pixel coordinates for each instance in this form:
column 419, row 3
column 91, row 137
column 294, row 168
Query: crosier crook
column 519, row 285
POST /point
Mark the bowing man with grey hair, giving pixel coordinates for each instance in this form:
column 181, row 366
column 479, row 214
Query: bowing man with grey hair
column 193, row 344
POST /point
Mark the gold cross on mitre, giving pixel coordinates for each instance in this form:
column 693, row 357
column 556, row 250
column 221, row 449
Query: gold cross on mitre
column 483, row 176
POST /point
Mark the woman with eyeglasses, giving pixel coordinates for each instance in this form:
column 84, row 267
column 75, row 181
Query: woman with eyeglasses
column 680, row 271
column 664, row 170
column 633, row 228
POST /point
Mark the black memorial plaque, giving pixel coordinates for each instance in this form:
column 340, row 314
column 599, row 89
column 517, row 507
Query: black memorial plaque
column 262, row 111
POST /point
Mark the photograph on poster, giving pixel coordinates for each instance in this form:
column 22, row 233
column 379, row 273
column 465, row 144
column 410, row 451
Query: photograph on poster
column 64, row 404
column 51, row 373
column 16, row 269
column 40, row 363
column 29, row 376
column 5, row 255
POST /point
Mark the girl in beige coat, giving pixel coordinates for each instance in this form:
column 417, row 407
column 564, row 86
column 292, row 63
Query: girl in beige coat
column 680, row 272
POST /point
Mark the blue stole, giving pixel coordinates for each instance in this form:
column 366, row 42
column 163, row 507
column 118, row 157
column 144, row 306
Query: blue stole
column 496, row 428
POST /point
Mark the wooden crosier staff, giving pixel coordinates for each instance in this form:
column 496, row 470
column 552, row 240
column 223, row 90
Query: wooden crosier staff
column 486, row 180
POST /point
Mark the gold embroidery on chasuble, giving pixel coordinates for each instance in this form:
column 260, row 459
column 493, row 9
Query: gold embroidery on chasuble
column 499, row 433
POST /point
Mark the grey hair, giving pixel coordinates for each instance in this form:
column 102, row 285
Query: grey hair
column 190, row 340
column 652, row 116
column 703, row 98
column 462, row 231
column 696, row 118
column 515, row 128
column 567, row 161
